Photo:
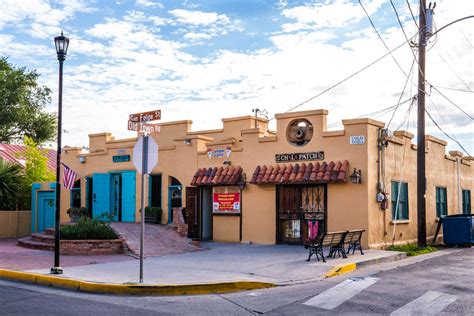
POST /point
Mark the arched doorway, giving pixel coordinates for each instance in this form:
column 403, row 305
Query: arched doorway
column 174, row 196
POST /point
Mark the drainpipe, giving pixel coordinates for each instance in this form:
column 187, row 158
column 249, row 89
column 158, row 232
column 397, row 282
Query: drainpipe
column 458, row 163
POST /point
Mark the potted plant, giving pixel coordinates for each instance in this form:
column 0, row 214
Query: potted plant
column 153, row 214
column 76, row 213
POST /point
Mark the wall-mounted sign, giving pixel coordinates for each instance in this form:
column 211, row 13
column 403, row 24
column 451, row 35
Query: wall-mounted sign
column 357, row 140
column 121, row 158
column 219, row 153
column 315, row 155
column 227, row 203
column 121, row 151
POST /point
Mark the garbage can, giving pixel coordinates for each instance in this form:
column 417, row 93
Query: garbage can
column 458, row 230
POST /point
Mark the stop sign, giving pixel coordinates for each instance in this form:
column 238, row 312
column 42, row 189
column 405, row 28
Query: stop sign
column 152, row 155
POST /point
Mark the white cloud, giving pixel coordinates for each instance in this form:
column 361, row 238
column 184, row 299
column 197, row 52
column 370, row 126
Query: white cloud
column 199, row 17
column 149, row 4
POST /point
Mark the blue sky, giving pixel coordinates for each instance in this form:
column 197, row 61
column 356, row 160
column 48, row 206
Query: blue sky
column 205, row 60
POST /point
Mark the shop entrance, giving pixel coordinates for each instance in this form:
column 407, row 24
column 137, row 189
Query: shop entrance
column 301, row 212
column 174, row 197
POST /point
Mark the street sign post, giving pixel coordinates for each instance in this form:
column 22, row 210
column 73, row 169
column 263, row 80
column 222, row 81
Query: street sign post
column 145, row 158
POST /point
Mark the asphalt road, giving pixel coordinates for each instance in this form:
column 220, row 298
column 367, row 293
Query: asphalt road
column 441, row 282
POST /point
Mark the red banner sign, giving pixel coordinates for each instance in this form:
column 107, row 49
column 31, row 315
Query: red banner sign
column 226, row 203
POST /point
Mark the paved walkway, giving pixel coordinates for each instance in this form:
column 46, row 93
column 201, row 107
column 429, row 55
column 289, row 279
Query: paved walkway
column 14, row 257
column 278, row 264
column 159, row 239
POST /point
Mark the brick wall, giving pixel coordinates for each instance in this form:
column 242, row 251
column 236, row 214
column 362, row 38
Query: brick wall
column 91, row 247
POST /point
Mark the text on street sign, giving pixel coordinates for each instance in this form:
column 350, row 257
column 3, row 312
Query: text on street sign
column 145, row 116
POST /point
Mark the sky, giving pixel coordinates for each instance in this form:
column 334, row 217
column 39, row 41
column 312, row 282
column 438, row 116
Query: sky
column 205, row 60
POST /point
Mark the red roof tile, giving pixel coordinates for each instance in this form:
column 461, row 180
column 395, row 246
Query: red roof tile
column 324, row 172
column 229, row 175
column 13, row 153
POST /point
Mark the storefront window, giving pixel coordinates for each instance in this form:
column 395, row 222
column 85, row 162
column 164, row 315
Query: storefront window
column 75, row 199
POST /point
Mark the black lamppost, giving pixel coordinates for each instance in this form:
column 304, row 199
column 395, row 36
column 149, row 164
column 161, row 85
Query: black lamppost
column 61, row 42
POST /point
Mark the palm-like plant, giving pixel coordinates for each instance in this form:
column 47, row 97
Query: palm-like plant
column 11, row 184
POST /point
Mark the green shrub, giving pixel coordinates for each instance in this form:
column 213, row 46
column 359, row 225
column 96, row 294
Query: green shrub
column 412, row 249
column 153, row 211
column 87, row 228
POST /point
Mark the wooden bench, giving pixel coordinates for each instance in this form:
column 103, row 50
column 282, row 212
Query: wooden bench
column 352, row 239
column 333, row 240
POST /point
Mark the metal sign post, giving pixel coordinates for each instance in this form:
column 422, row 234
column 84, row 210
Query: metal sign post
column 142, row 207
column 144, row 160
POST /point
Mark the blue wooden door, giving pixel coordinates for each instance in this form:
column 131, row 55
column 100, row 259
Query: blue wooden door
column 46, row 210
column 101, row 194
column 128, row 196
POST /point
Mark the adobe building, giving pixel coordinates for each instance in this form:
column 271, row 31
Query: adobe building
column 244, row 183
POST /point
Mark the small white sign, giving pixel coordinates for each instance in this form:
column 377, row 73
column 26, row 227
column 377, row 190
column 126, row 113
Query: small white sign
column 121, row 151
column 357, row 140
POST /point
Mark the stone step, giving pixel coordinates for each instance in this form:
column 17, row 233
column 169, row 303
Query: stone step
column 28, row 242
column 44, row 238
column 49, row 231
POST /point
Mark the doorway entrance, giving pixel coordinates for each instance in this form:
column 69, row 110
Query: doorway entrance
column 199, row 212
column 174, row 197
column 301, row 213
column 46, row 210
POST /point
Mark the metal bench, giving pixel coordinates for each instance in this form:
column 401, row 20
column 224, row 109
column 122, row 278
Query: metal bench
column 352, row 239
column 333, row 240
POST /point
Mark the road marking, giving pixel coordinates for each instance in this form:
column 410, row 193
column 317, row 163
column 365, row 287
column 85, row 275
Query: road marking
column 431, row 303
column 340, row 293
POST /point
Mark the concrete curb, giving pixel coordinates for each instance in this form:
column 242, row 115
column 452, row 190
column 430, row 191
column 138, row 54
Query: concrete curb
column 351, row 266
column 132, row 289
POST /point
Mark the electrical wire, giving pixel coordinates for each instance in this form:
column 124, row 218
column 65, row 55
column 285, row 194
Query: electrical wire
column 450, row 101
column 381, row 39
column 451, row 23
column 454, row 89
column 454, row 71
column 401, row 95
column 447, row 135
column 344, row 80
column 411, row 12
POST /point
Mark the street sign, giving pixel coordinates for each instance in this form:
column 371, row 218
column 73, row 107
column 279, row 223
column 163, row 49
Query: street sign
column 143, row 127
column 145, row 116
column 151, row 154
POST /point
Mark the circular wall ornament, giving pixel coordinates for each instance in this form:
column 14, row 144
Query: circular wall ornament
column 299, row 132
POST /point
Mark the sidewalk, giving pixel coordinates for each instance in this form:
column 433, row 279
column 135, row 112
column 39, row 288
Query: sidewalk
column 228, row 264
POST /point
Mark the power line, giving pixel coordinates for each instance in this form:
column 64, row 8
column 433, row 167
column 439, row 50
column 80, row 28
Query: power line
column 381, row 39
column 455, row 73
column 454, row 89
column 411, row 12
column 401, row 95
column 450, row 101
column 344, row 80
column 447, row 135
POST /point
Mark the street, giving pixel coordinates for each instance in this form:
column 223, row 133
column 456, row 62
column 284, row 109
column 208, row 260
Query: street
column 443, row 283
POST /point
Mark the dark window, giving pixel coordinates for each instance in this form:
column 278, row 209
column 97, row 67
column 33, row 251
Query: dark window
column 400, row 192
column 155, row 190
column 76, row 195
column 466, row 201
column 441, row 202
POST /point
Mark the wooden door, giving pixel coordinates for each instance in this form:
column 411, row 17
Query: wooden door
column 192, row 212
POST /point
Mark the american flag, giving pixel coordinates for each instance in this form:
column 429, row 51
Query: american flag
column 69, row 177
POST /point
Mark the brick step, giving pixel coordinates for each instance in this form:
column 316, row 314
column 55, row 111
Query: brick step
column 28, row 242
column 49, row 231
column 44, row 238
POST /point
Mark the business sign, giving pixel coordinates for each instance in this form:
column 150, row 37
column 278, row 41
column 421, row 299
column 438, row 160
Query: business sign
column 145, row 116
column 315, row 155
column 228, row 203
column 357, row 140
column 143, row 127
column 121, row 158
column 219, row 153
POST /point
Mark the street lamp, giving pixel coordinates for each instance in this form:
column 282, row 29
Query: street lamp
column 62, row 43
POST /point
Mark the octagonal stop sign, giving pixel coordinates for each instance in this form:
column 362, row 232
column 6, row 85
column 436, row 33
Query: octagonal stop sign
column 151, row 155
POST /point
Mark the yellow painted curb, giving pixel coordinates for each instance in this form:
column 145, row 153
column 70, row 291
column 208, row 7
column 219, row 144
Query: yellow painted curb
column 340, row 269
column 132, row 289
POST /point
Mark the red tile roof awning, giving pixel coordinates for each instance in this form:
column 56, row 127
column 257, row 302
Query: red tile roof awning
column 229, row 175
column 15, row 153
column 325, row 172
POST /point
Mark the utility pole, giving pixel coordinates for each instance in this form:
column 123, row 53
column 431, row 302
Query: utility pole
column 420, row 155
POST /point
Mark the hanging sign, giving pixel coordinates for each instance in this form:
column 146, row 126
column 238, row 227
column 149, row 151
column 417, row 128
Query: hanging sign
column 316, row 155
column 227, row 203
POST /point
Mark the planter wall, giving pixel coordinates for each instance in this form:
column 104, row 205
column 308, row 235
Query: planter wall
column 91, row 247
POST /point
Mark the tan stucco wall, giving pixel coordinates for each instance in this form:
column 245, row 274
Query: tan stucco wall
column 350, row 206
column 15, row 224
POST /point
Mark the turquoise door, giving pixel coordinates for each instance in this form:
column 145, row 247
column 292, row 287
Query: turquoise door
column 46, row 208
column 128, row 196
column 101, row 194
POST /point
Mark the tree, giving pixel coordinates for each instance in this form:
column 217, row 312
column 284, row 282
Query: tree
column 11, row 185
column 36, row 163
column 22, row 102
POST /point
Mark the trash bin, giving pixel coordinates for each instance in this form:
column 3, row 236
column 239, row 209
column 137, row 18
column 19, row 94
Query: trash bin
column 458, row 230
